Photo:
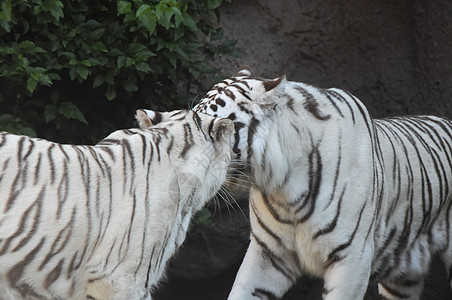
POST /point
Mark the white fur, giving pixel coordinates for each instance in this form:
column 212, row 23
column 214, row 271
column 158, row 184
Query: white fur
column 305, row 138
column 101, row 221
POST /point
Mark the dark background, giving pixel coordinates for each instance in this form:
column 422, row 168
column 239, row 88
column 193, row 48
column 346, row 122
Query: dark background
column 393, row 55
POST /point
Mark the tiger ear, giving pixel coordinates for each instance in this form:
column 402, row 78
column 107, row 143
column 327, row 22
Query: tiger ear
column 146, row 118
column 273, row 89
column 222, row 129
column 277, row 84
column 245, row 71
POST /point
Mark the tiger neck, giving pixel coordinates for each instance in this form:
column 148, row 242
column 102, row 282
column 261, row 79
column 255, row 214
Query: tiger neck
column 269, row 162
column 280, row 163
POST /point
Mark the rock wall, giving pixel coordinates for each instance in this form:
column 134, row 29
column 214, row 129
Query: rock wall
column 395, row 55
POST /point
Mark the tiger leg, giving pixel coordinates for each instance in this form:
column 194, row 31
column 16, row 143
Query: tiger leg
column 408, row 289
column 99, row 288
column 348, row 278
column 116, row 287
column 262, row 275
column 447, row 258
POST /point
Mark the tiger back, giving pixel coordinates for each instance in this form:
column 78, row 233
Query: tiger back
column 336, row 193
column 100, row 222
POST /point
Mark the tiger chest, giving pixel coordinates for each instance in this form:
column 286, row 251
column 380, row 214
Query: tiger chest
column 279, row 230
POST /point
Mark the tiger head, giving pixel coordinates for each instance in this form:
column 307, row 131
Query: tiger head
column 248, row 101
column 199, row 149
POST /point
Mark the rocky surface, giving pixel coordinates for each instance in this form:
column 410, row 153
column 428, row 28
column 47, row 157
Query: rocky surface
column 396, row 56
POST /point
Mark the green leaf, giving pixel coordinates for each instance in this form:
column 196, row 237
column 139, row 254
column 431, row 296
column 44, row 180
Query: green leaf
column 111, row 93
column 98, row 80
column 171, row 58
column 71, row 111
column 72, row 33
column 124, row 7
column 6, row 10
column 83, row 71
column 31, row 84
column 218, row 35
column 50, row 113
column 189, row 22
column 181, row 52
column 99, row 46
column 130, row 86
column 143, row 67
column 121, row 61
column 30, row 47
column 94, row 61
column 178, row 18
column 129, row 17
column 144, row 55
column 164, row 14
column 142, row 9
column 149, row 20
column 5, row 15
column 203, row 217
column 212, row 4
column 5, row 118
column 136, row 47
column 98, row 33
column 44, row 79
column 178, row 33
column 28, row 131
column 68, row 55
column 86, row 62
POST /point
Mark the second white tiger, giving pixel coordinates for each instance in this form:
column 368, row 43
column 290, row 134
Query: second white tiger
column 337, row 194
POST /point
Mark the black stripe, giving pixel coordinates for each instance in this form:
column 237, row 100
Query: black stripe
column 273, row 212
column 235, row 148
column 63, row 190
column 30, row 149
column 15, row 273
column 341, row 98
column 336, row 175
column 210, row 128
column 252, row 127
column 157, row 118
column 277, row 263
column 315, row 178
column 290, row 103
column 264, row 294
column 386, row 243
column 149, row 268
column 333, row 254
column 60, row 241
column 170, row 146
column 53, row 275
column 326, row 94
column 394, row 292
column 51, row 163
column 265, row 227
column 34, row 209
column 310, row 104
column 188, row 140
column 330, row 227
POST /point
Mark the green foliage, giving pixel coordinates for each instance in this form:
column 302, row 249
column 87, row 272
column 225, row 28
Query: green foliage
column 203, row 217
column 73, row 71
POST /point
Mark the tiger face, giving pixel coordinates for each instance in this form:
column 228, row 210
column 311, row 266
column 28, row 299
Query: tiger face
column 249, row 102
column 204, row 151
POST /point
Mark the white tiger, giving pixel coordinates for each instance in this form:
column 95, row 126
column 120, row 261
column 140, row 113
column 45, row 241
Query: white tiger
column 100, row 222
column 337, row 194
